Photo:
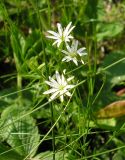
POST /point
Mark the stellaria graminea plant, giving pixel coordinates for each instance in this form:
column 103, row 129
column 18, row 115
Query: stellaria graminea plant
column 63, row 35
column 59, row 86
column 73, row 53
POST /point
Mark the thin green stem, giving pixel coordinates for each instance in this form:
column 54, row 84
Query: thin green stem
column 51, row 127
column 53, row 133
column 91, row 79
column 102, row 153
column 19, row 84
column 37, row 107
column 64, row 8
column 49, row 13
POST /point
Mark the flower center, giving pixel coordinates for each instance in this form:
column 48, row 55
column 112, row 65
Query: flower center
column 73, row 54
column 61, row 87
column 63, row 38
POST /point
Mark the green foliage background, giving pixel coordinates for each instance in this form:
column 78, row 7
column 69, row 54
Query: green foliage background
column 30, row 126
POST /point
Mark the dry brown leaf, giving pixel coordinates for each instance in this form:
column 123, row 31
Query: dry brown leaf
column 113, row 110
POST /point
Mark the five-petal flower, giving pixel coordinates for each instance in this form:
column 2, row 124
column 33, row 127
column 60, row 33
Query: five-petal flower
column 59, row 86
column 63, row 35
column 74, row 54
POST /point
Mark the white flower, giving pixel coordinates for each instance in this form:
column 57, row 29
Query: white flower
column 63, row 35
column 59, row 86
column 74, row 54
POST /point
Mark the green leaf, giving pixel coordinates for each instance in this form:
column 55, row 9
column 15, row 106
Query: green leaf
column 107, row 123
column 33, row 45
column 91, row 9
column 108, row 30
column 16, row 41
column 21, row 134
column 116, row 73
column 49, row 156
column 7, row 154
column 119, row 155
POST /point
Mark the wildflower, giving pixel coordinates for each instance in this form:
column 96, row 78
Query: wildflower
column 74, row 54
column 63, row 35
column 59, row 86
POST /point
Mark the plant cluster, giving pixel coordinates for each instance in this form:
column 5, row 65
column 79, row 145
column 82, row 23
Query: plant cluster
column 62, row 80
column 61, row 86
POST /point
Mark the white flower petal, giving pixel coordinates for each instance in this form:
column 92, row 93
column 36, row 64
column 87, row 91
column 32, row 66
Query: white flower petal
column 53, row 82
column 82, row 54
column 64, row 59
column 68, row 48
column 81, row 49
column 70, row 78
column 53, row 33
column 75, row 45
column 64, row 71
column 65, row 52
column 72, row 54
column 57, row 41
column 70, row 86
column 59, row 86
column 68, row 93
column 62, row 91
column 58, row 77
column 67, row 58
column 50, row 91
column 75, row 61
column 60, row 30
column 82, row 61
column 52, row 37
column 61, row 98
column 54, row 95
column 67, row 28
column 69, row 37
column 63, row 82
column 70, row 30
column 61, row 35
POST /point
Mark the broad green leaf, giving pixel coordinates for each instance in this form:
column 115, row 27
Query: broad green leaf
column 22, row 135
column 48, row 155
column 7, row 153
column 108, row 30
column 115, row 73
column 109, row 124
column 119, row 155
